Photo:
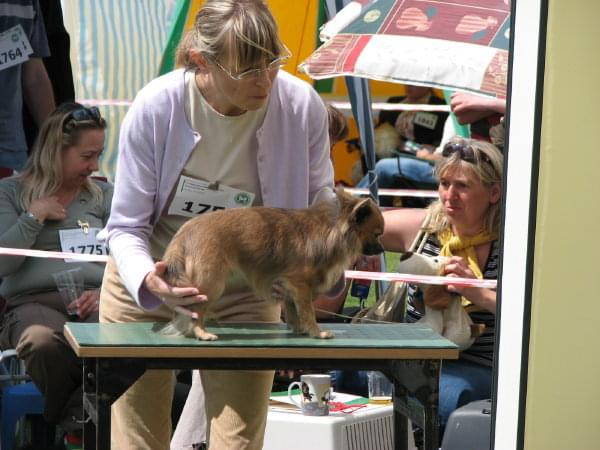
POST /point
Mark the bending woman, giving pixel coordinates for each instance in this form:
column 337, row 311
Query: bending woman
column 230, row 117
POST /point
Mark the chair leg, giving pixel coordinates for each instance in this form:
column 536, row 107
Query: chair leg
column 17, row 401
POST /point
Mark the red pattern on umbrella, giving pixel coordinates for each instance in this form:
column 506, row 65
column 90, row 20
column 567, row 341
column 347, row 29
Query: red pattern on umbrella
column 493, row 81
column 456, row 21
column 339, row 55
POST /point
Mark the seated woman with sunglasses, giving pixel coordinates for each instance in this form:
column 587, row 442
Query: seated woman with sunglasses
column 462, row 224
column 52, row 205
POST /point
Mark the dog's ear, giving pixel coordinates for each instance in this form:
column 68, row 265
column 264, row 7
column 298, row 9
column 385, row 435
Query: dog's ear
column 362, row 211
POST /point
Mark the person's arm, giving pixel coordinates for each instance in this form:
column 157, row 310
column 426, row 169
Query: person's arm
column 428, row 155
column 17, row 229
column 37, row 90
column 130, row 222
column 469, row 108
column 401, row 228
column 321, row 167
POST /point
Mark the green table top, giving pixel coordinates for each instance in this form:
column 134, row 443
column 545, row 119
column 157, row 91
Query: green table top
column 259, row 340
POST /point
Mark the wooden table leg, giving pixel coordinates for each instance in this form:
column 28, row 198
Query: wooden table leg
column 416, row 385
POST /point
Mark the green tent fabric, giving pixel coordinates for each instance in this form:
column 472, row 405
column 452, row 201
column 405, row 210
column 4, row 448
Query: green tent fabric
column 117, row 47
column 182, row 9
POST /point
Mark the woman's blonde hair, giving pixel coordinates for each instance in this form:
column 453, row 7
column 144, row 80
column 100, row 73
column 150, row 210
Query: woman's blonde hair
column 243, row 32
column 43, row 173
column 481, row 159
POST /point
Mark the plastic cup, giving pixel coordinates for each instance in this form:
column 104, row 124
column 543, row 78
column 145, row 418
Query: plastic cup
column 70, row 286
column 380, row 388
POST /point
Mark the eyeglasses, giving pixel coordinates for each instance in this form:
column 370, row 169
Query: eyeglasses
column 465, row 152
column 253, row 74
column 83, row 113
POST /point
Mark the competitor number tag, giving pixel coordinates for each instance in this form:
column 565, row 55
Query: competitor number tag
column 426, row 119
column 76, row 240
column 194, row 197
column 14, row 47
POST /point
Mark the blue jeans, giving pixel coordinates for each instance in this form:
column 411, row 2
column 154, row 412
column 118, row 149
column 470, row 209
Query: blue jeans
column 392, row 172
column 461, row 382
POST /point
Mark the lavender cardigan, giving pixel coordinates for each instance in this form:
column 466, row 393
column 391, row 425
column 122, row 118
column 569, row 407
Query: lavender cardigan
column 156, row 141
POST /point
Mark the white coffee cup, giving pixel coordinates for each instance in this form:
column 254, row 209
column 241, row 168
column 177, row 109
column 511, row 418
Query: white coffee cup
column 315, row 393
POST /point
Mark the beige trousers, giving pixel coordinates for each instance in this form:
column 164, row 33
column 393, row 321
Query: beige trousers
column 236, row 401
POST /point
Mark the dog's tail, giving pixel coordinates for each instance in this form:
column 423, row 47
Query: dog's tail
column 181, row 324
column 176, row 274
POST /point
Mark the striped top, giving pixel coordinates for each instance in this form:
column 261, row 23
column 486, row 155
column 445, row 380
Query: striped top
column 482, row 350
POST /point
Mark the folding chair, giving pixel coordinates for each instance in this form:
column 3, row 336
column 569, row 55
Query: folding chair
column 19, row 397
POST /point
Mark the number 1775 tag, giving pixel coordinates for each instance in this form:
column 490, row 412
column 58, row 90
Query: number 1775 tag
column 78, row 241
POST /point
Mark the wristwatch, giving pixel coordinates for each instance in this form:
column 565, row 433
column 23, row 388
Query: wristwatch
column 30, row 214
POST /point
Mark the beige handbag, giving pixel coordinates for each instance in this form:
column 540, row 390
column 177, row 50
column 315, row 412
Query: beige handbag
column 391, row 306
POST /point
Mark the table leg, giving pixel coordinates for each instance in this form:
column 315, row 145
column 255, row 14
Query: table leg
column 400, row 423
column 416, row 384
column 104, row 382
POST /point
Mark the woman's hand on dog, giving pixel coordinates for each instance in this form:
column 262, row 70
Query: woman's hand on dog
column 172, row 296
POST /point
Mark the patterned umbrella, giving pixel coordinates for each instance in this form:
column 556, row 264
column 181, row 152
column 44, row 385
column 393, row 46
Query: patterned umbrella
column 455, row 45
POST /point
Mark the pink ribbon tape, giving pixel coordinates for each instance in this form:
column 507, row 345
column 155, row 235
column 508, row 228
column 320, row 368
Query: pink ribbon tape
column 352, row 274
column 49, row 254
column 395, row 192
column 421, row 279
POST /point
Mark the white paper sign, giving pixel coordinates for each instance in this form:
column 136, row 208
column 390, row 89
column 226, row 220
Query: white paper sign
column 194, row 197
column 14, row 47
column 76, row 240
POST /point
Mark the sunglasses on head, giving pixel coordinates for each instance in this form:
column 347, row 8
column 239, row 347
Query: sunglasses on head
column 83, row 113
column 465, row 152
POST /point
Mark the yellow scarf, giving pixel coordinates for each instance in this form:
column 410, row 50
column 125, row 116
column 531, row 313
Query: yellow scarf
column 453, row 245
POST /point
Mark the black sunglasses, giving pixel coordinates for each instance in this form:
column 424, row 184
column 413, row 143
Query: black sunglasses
column 465, row 152
column 83, row 113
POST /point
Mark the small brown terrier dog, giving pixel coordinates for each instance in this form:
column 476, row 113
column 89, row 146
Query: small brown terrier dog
column 305, row 251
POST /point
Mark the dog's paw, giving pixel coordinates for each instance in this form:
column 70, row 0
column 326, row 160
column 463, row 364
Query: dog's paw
column 204, row 335
column 208, row 337
column 325, row 334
